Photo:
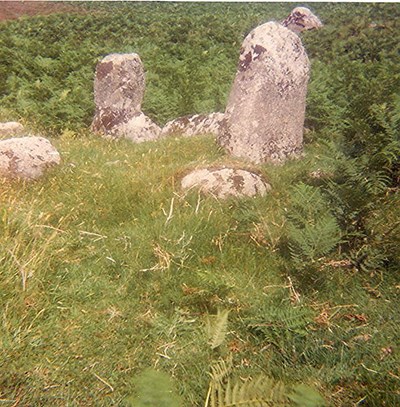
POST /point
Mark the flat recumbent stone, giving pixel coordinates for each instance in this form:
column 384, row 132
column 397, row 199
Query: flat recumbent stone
column 194, row 125
column 226, row 182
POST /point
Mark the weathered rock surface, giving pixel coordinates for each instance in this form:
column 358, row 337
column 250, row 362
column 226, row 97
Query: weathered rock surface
column 301, row 19
column 265, row 113
column 8, row 129
column 194, row 125
column 26, row 157
column 226, row 182
column 119, row 87
column 137, row 128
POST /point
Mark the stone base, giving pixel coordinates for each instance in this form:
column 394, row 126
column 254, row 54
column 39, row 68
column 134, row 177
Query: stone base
column 138, row 128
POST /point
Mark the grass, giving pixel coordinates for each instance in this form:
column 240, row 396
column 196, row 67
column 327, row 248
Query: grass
column 108, row 268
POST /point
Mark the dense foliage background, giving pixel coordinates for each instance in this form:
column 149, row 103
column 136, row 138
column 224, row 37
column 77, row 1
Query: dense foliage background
column 190, row 53
column 330, row 229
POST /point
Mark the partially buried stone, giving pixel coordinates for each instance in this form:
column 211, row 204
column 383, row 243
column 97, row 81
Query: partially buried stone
column 138, row 128
column 226, row 182
column 8, row 129
column 194, row 125
column 26, row 157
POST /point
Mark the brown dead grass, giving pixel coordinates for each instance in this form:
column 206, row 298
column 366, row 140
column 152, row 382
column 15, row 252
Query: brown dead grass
column 11, row 10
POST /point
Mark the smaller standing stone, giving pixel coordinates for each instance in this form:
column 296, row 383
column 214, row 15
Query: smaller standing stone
column 226, row 182
column 194, row 125
column 119, row 87
column 26, row 157
column 8, row 129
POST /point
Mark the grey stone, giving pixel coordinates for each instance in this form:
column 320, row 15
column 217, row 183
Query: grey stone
column 137, row 128
column 8, row 129
column 226, row 182
column 301, row 19
column 26, row 157
column 264, row 117
column 194, row 125
column 119, row 87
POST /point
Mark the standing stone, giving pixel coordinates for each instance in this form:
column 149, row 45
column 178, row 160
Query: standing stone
column 264, row 117
column 119, row 87
column 26, row 157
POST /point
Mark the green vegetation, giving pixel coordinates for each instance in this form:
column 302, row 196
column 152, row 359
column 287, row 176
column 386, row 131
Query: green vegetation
column 117, row 288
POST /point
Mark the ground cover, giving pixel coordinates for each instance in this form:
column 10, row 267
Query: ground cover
column 108, row 268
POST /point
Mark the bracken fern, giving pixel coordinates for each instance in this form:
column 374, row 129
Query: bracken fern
column 312, row 229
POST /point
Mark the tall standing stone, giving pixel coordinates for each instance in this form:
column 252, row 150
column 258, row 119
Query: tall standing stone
column 264, row 117
column 119, row 87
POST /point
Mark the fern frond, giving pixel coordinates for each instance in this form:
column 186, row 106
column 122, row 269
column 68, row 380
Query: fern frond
column 278, row 322
column 220, row 372
column 260, row 392
column 217, row 328
column 306, row 202
column 314, row 240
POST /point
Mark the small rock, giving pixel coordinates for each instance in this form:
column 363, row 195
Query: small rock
column 226, row 182
column 26, row 157
column 194, row 125
column 11, row 129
